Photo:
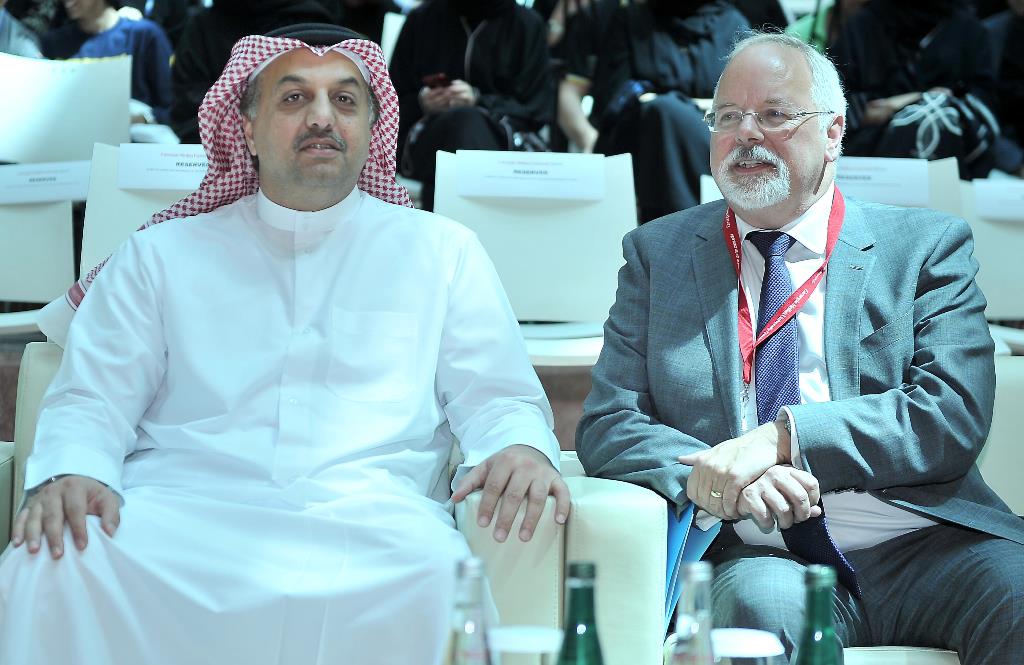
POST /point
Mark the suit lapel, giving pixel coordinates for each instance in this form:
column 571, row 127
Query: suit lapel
column 848, row 269
column 715, row 278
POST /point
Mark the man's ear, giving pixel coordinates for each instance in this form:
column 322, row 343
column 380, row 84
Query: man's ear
column 834, row 138
column 247, row 131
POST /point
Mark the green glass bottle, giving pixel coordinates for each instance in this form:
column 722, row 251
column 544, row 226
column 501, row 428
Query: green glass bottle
column 580, row 645
column 819, row 644
column 693, row 618
column 467, row 644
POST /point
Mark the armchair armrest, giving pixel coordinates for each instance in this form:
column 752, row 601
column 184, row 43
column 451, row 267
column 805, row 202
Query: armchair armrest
column 1012, row 337
column 526, row 578
column 6, row 491
column 621, row 527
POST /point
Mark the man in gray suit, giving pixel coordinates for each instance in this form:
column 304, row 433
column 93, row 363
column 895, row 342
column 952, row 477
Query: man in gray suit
column 784, row 346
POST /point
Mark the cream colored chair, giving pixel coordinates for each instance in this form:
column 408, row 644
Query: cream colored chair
column 557, row 259
column 38, row 261
column 997, row 246
column 112, row 213
column 64, row 106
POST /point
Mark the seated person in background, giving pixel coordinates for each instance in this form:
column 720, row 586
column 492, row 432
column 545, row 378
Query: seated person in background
column 171, row 15
column 367, row 16
column 1007, row 37
column 785, row 345
column 206, row 44
column 921, row 83
column 584, row 39
column 15, row 38
column 97, row 31
column 470, row 74
column 249, row 433
column 657, row 58
column 820, row 28
column 763, row 14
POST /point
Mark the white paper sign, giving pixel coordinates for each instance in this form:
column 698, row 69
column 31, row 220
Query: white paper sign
column 1001, row 200
column 533, row 175
column 895, row 181
column 42, row 183
column 153, row 166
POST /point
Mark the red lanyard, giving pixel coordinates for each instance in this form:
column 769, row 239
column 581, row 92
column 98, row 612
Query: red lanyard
column 793, row 304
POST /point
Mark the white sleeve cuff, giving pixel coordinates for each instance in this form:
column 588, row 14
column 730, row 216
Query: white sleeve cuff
column 794, row 442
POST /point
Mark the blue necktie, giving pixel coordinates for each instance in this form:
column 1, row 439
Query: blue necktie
column 777, row 381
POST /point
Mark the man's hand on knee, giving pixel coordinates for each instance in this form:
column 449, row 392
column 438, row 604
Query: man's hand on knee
column 67, row 499
column 783, row 495
column 513, row 475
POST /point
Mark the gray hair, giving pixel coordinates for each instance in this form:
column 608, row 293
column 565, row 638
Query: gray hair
column 826, row 89
column 251, row 99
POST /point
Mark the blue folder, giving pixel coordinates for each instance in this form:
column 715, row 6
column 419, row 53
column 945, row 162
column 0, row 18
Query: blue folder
column 686, row 543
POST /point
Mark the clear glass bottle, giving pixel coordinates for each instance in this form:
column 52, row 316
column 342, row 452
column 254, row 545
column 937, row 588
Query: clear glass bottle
column 467, row 644
column 693, row 617
column 580, row 645
column 818, row 643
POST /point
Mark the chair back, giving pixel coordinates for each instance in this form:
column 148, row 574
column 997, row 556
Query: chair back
column 997, row 248
column 558, row 260
column 111, row 213
column 39, row 257
column 69, row 105
column 1002, row 458
column 393, row 23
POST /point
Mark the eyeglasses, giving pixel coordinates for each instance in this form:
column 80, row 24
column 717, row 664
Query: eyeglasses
column 769, row 119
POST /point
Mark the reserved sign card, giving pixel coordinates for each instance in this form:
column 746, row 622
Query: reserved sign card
column 534, row 175
column 895, row 181
column 1001, row 200
column 43, row 183
column 155, row 166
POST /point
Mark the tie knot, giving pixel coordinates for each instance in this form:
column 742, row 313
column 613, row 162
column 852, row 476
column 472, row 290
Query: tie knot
column 771, row 243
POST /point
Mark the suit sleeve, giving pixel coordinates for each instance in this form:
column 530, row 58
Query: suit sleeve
column 620, row 436
column 931, row 427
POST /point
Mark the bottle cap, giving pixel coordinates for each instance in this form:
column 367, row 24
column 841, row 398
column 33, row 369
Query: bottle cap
column 698, row 571
column 583, row 569
column 821, row 575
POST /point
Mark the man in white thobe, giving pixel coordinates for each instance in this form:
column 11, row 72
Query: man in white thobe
column 242, row 456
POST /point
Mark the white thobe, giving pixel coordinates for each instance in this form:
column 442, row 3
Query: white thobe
column 274, row 395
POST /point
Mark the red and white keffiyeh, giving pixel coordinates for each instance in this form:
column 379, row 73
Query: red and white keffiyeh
column 231, row 174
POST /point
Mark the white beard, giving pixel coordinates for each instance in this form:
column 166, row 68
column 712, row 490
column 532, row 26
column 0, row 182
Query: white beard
column 756, row 191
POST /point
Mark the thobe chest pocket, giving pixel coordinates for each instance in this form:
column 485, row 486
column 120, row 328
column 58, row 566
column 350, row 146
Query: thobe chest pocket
column 373, row 355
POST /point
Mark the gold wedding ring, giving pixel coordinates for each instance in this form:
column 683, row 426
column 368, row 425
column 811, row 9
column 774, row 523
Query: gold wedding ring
column 716, row 495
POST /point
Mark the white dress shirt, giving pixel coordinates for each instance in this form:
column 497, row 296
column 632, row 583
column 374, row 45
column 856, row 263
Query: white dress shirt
column 856, row 519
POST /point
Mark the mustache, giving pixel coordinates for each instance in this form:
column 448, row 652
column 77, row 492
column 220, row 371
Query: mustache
column 320, row 134
column 757, row 152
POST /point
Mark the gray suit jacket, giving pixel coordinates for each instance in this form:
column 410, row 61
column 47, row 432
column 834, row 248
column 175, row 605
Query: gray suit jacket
column 907, row 348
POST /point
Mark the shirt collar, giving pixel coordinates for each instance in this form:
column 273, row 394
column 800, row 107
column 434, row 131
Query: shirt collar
column 809, row 229
column 311, row 224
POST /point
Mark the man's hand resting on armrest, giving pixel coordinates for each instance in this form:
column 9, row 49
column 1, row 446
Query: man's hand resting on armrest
column 516, row 473
column 67, row 499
